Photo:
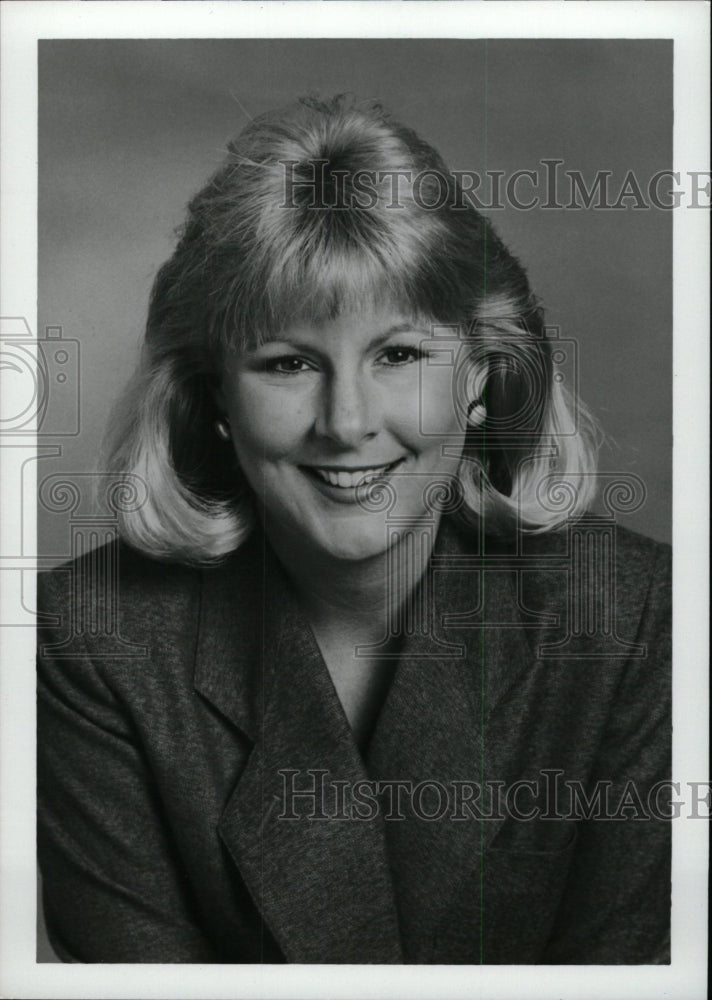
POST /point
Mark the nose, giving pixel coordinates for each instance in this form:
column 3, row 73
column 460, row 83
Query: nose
column 350, row 410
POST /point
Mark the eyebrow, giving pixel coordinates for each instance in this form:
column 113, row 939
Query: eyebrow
column 380, row 338
column 404, row 328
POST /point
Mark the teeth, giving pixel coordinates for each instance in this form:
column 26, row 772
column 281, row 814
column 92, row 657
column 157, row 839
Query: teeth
column 347, row 480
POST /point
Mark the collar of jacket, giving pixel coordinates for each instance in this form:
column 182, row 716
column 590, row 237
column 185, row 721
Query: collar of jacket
column 342, row 890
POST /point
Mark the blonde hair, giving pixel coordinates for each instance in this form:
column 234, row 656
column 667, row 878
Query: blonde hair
column 287, row 231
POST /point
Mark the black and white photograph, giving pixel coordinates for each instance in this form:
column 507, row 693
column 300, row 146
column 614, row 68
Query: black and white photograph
column 345, row 494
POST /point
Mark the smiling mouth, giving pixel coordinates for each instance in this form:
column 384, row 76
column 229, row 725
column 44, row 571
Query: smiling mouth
column 350, row 478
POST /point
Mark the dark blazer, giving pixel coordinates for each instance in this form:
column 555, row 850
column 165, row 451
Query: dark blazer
column 168, row 831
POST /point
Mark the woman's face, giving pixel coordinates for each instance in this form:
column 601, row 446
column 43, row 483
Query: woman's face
column 328, row 407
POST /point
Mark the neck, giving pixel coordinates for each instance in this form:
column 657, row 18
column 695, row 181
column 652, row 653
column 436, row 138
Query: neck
column 363, row 594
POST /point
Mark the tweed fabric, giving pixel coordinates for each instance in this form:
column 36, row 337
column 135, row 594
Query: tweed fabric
column 161, row 777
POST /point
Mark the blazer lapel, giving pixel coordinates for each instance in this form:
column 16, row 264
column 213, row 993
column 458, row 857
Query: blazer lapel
column 327, row 888
column 320, row 878
column 433, row 733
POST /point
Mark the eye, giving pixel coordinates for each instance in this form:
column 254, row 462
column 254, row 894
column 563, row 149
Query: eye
column 287, row 365
column 397, row 356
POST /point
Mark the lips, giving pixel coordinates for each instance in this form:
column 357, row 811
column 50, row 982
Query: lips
column 349, row 478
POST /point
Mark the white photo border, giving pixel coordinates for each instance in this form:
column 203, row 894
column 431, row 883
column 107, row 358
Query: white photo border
column 686, row 23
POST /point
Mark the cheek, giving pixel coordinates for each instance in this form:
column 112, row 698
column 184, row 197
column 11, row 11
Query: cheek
column 266, row 423
column 428, row 416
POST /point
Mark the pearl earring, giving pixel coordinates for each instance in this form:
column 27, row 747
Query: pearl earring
column 222, row 428
column 476, row 412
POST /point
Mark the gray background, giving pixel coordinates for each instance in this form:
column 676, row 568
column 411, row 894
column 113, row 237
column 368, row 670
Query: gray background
column 129, row 130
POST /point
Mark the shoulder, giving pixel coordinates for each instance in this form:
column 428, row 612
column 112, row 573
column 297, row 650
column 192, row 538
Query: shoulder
column 116, row 563
column 111, row 622
column 112, row 599
column 121, row 635
column 637, row 562
column 599, row 577
column 118, row 583
column 632, row 549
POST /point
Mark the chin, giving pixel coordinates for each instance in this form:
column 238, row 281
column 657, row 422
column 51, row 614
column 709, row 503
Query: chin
column 354, row 544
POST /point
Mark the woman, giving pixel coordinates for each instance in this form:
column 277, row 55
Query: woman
column 383, row 696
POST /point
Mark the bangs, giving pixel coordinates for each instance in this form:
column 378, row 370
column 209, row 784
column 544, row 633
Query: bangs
column 306, row 222
column 308, row 266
